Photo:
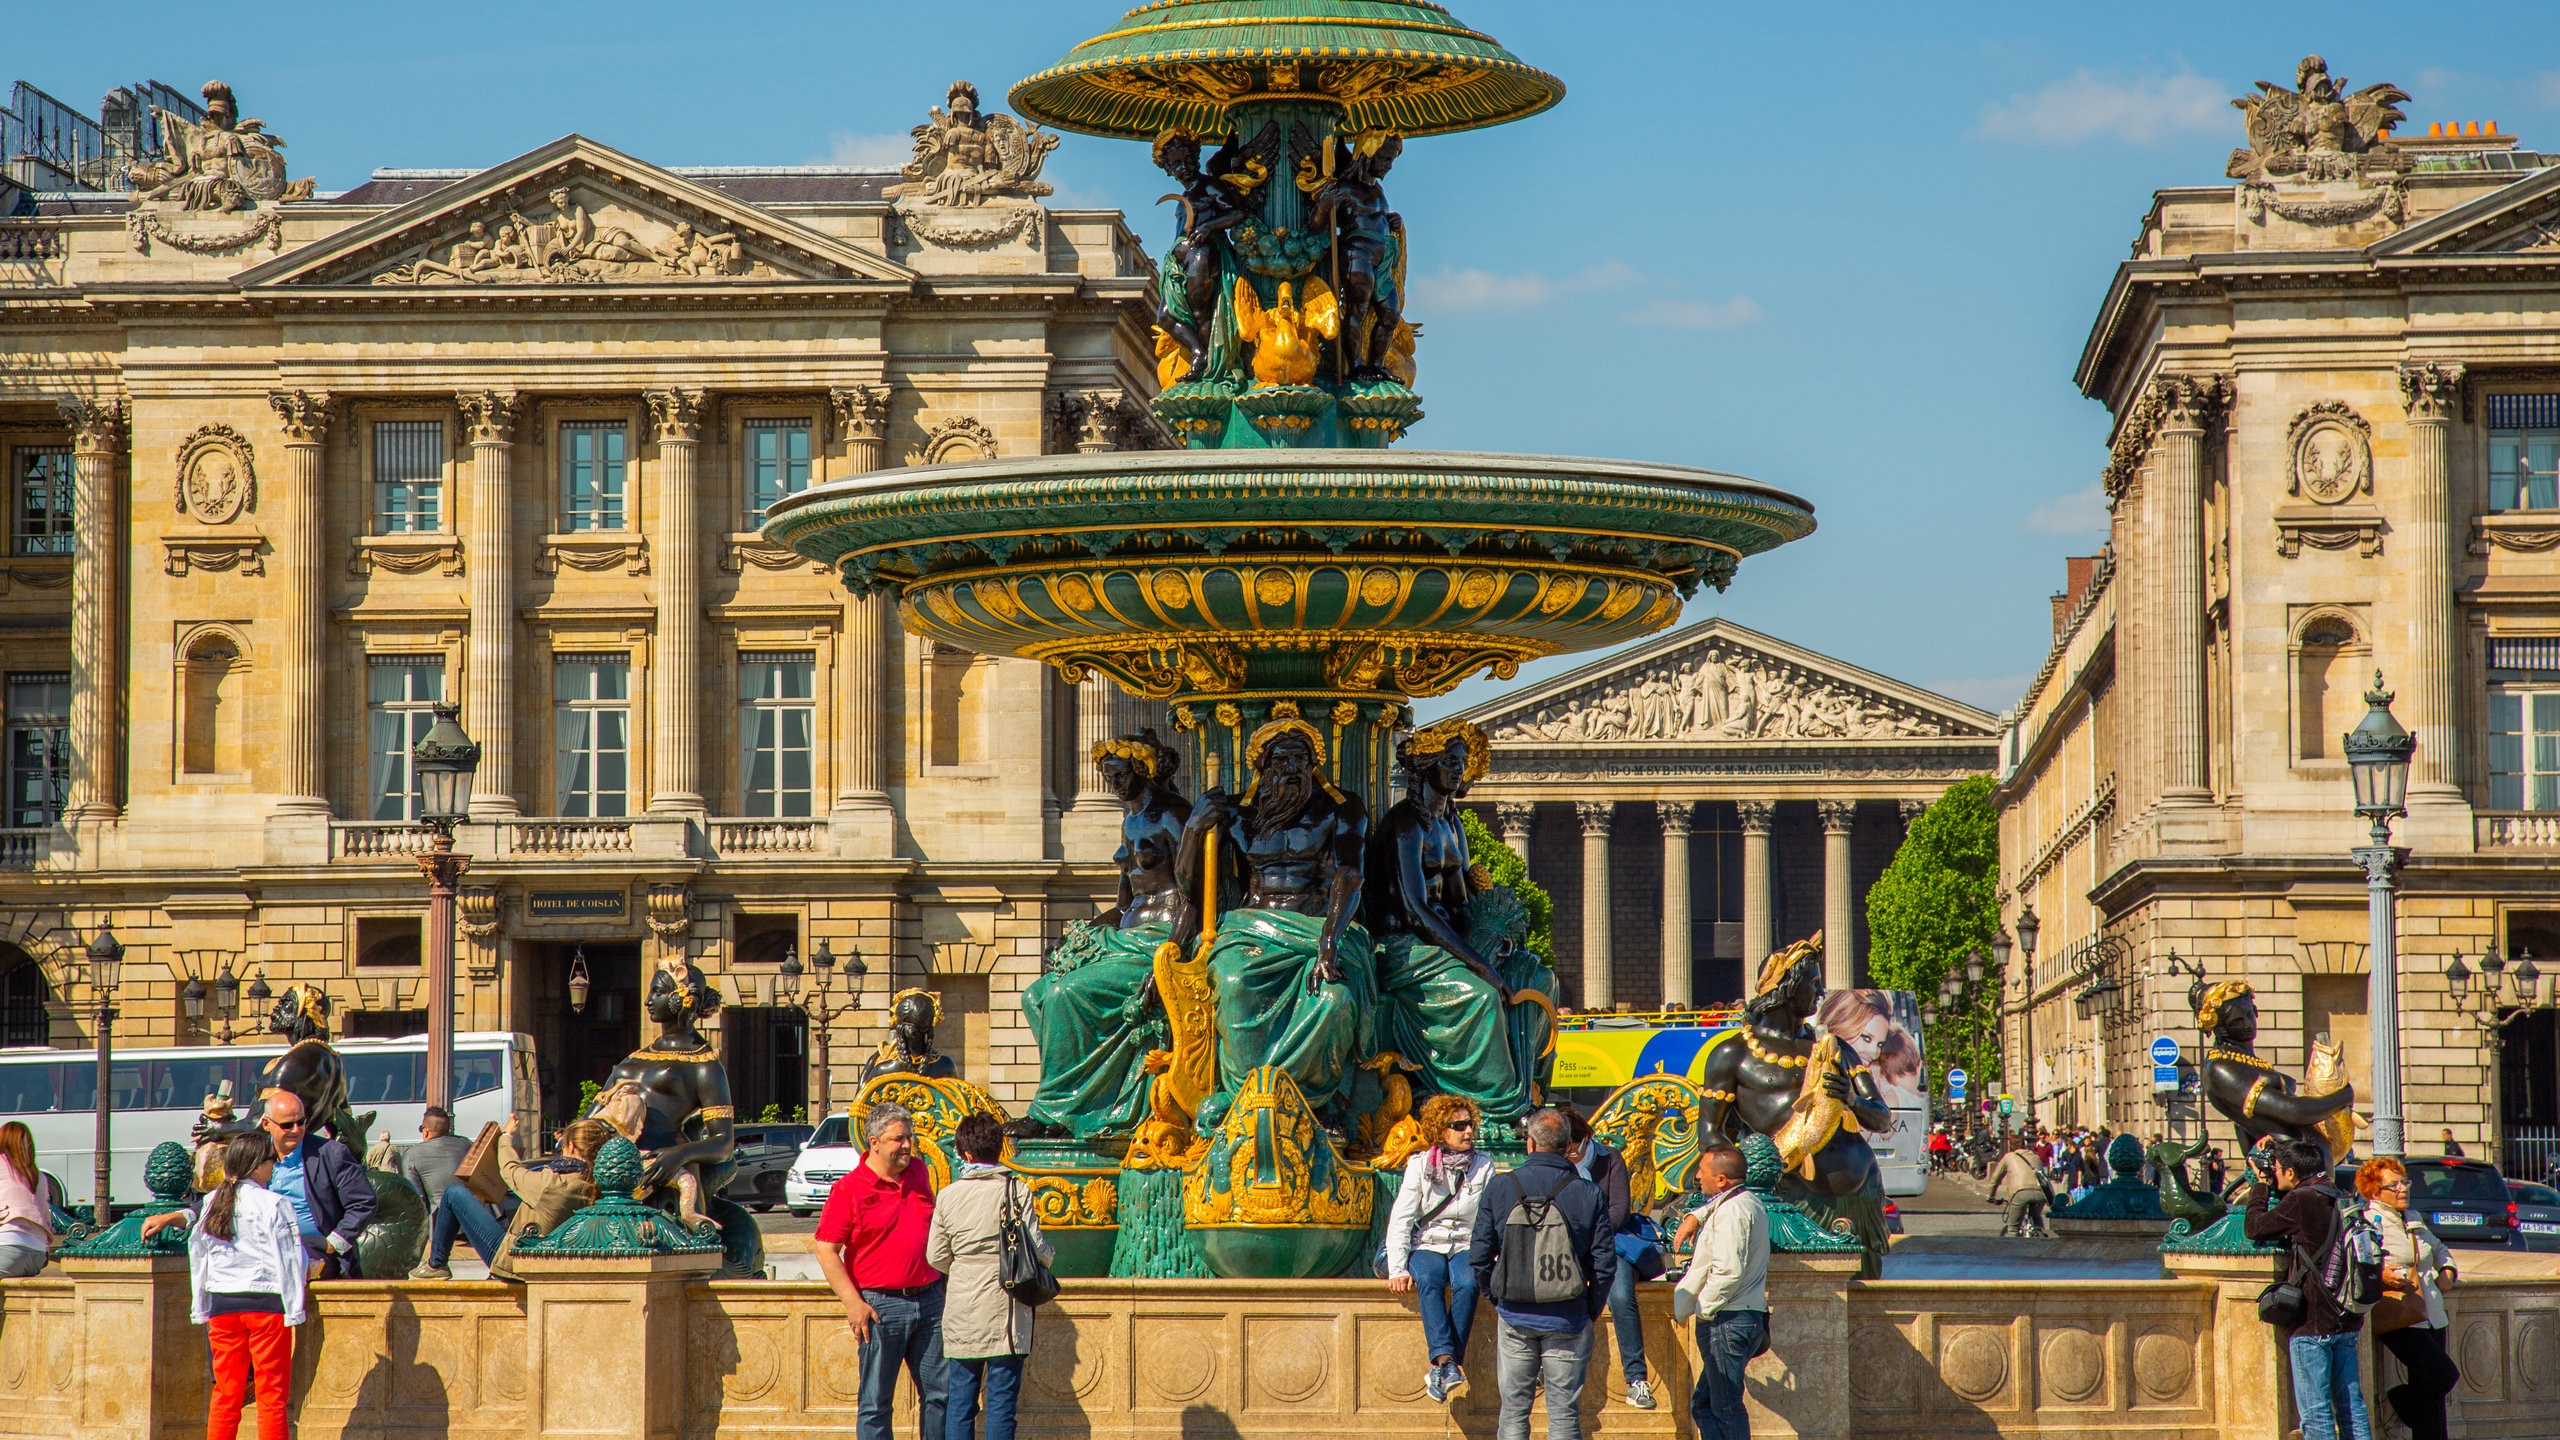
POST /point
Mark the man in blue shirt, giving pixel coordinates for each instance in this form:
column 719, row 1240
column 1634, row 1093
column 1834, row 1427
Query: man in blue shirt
column 1544, row 1344
column 323, row 1182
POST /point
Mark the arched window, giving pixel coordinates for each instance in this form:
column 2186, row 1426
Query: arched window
column 23, row 996
column 210, row 737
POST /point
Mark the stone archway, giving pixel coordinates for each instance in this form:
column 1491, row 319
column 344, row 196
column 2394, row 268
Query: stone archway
column 26, row 999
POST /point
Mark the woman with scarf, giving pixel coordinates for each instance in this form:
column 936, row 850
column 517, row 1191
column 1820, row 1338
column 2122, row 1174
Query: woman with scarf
column 986, row 1333
column 1428, row 1233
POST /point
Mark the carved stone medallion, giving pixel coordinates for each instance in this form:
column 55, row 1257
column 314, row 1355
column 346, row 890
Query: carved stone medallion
column 2332, row 454
column 217, row 480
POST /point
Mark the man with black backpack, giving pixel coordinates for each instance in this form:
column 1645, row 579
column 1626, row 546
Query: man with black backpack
column 2333, row 1280
column 1543, row 1255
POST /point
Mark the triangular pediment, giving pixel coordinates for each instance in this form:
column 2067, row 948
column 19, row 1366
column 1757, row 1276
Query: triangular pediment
column 2520, row 219
column 1718, row 683
column 572, row 214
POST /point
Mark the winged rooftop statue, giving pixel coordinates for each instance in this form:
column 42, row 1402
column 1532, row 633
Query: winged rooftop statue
column 962, row 156
column 2315, row 131
column 222, row 164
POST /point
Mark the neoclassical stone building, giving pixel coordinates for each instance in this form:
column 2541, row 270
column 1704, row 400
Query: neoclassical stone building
column 2336, row 389
column 1693, row 802
column 285, row 470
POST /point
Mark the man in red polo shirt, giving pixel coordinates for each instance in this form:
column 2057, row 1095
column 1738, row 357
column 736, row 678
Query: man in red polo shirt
column 870, row 1244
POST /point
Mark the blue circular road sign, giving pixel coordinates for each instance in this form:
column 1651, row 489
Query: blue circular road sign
column 2164, row 1050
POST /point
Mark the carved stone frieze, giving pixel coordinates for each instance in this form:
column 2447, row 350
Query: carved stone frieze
column 406, row 554
column 190, row 550
column 202, row 237
column 1721, row 692
column 972, row 229
column 2525, row 532
column 954, row 439
column 217, row 478
column 585, row 551
column 2332, row 450
column 577, row 234
column 2388, row 199
column 2321, row 527
column 743, row 553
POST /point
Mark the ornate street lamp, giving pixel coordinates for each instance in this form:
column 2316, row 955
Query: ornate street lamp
column 822, row 1009
column 2378, row 751
column 445, row 762
column 226, row 997
column 106, row 971
column 580, row 983
column 2026, row 929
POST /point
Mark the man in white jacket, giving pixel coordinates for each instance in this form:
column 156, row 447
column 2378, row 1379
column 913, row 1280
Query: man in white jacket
column 1726, row 1289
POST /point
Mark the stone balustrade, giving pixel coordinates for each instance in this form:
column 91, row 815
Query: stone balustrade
column 650, row 1349
column 2516, row 830
column 756, row 839
column 25, row 847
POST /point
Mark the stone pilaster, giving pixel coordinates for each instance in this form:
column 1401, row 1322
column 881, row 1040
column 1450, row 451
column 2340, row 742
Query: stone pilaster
column 2433, row 396
column 1758, row 925
column 676, row 759
column 1091, row 827
column 1678, row 974
column 97, row 607
column 1599, row 960
column 865, row 825
column 1839, row 927
column 2189, row 404
column 1517, row 820
column 489, row 665
column 302, row 640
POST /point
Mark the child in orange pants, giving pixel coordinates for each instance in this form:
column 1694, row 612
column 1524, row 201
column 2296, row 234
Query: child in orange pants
column 245, row 1257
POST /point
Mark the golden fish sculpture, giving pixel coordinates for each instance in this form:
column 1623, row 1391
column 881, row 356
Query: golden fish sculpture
column 2326, row 1074
column 1286, row 336
column 1817, row 1115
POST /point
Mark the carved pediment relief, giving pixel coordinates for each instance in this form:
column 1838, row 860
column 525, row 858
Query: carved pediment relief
column 1719, row 684
column 2523, row 219
column 573, row 213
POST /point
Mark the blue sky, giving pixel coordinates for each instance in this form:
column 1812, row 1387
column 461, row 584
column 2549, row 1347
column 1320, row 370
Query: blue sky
column 1851, row 250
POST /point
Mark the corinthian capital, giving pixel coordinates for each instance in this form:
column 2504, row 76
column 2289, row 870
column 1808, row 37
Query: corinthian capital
column 1839, row 817
column 1596, row 816
column 488, row 416
column 1515, row 817
column 96, row 425
column 306, row 414
column 1757, row 816
column 2190, row 402
column 861, row 411
column 2435, row 392
column 1677, row 815
column 676, row 412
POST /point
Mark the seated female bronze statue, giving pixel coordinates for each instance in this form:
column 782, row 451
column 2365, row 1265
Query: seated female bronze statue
column 685, row 1121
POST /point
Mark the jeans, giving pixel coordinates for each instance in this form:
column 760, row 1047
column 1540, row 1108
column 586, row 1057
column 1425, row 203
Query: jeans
column 2326, row 1390
column 1000, row 1376
column 1445, row 1288
column 464, row 1214
column 1527, row 1360
column 1626, row 1322
column 2419, row 1401
column 2024, row 1211
column 1726, row 1343
column 19, row 1260
column 908, row 1332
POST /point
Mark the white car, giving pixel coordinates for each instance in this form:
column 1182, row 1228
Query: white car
column 823, row 1161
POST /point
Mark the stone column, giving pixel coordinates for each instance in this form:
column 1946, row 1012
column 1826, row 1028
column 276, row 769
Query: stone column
column 489, row 664
column 865, row 825
column 1677, row 972
column 1758, row 925
column 2188, row 406
column 302, row 642
column 97, row 607
column 2432, row 394
column 1599, row 962
column 1839, row 922
column 676, row 759
column 1090, row 829
column 1517, row 820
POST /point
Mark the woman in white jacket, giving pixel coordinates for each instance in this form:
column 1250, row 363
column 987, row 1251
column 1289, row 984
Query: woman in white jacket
column 246, row 1261
column 1428, row 1231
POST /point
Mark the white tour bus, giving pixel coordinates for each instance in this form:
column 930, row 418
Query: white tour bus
column 157, row 1095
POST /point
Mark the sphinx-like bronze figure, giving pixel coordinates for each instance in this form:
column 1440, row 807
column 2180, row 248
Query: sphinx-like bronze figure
column 671, row 1098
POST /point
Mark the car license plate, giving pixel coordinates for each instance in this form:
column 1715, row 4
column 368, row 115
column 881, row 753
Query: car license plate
column 2455, row 1217
column 2536, row 1227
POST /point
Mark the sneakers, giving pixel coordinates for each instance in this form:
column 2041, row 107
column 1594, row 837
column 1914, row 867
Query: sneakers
column 1457, row 1382
column 1640, row 1394
column 1435, row 1383
column 428, row 1270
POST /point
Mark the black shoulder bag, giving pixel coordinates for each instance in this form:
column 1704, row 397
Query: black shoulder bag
column 1019, row 1268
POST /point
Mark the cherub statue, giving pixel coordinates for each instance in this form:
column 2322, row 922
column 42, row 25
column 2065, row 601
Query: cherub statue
column 1370, row 249
column 2315, row 129
column 909, row 1048
column 1187, row 312
column 962, row 156
column 672, row 1094
column 222, row 164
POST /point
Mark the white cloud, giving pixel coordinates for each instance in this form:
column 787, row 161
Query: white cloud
column 869, row 152
column 2090, row 105
column 1994, row 693
column 1486, row 290
column 2546, row 88
column 1696, row 314
column 2082, row 512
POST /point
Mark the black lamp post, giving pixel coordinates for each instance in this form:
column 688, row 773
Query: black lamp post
column 2378, row 751
column 106, row 971
column 2027, row 1005
column 821, row 1008
column 445, row 760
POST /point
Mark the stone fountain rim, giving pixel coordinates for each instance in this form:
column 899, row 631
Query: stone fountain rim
column 1208, row 462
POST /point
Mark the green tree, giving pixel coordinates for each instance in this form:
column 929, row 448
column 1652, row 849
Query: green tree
column 1936, row 904
column 1508, row 867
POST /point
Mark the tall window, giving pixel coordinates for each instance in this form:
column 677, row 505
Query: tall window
column 776, row 719
column 591, row 723
column 777, row 464
column 591, row 475
column 2524, row 452
column 400, row 695
column 42, row 507
column 408, row 476
column 39, row 719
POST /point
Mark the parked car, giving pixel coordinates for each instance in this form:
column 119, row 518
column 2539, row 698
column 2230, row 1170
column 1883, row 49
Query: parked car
column 764, row 1155
column 2536, row 1209
column 2465, row 1202
column 825, row 1159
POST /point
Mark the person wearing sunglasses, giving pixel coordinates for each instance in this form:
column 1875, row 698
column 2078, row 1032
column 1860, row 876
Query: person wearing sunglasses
column 2410, row 1321
column 320, row 1179
column 1428, row 1235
